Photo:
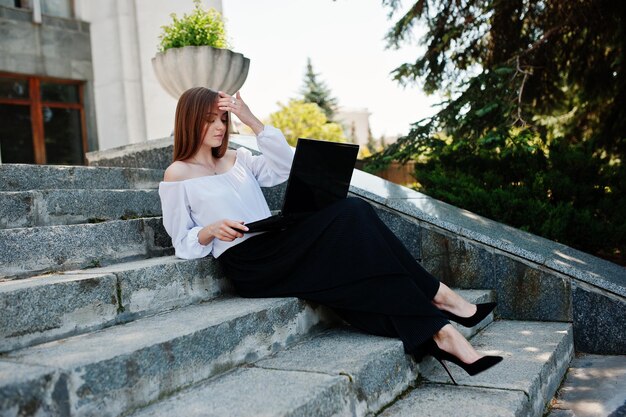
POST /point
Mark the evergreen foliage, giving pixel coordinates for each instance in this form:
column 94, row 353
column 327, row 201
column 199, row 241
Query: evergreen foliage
column 533, row 133
column 315, row 91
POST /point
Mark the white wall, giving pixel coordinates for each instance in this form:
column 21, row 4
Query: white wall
column 131, row 106
column 357, row 118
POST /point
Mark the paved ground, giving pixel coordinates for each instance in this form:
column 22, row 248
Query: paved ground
column 595, row 386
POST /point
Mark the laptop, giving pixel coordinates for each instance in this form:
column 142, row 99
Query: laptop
column 320, row 175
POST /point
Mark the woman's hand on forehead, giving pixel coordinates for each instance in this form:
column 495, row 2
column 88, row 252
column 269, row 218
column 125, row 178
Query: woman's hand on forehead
column 225, row 101
column 238, row 107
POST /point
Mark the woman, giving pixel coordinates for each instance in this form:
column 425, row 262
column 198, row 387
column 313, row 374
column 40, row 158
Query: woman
column 342, row 256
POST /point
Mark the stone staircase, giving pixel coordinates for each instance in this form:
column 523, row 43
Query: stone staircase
column 77, row 217
column 98, row 319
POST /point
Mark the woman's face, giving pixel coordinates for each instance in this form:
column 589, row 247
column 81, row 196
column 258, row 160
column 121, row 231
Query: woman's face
column 216, row 126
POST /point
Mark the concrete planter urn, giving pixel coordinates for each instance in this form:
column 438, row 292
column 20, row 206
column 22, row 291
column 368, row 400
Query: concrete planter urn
column 179, row 69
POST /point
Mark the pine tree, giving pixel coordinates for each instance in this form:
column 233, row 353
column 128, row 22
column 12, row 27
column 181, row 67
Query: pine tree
column 533, row 132
column 315, row 91
column 371, row 142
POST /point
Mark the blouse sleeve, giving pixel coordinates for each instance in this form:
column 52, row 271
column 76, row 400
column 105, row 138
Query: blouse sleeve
column 273, row 166
column 178, row 222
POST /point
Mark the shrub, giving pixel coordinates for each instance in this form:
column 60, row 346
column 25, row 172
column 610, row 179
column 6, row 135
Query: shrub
column 305, row 120
column 200, row 28
column 564, row 198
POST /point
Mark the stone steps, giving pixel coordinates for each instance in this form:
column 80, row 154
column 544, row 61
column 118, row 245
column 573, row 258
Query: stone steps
column 54, row 218
column 338, row 372
column 140, row 332
column 155, row 153
column 594, row 385
column 376, row 368
column 536, row 358
column 87, row 300
column 110, row 371
column 23, row 177
column 114, row 369
column 64, row 207
column 28, row 251
column 344, row 373
column 91, row 299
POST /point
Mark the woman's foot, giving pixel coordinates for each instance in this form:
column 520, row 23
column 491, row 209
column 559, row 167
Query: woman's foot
column 482, row 311
column 449, row 345
column 450, row 340
column 449, row 301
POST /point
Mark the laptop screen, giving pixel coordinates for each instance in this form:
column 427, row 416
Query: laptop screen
column 320, row 175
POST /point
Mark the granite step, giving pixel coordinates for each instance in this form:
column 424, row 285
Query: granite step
column 338, row 371
column 23, row 177
column 310, row 385
column 32, row 250
column 594, row 385
column 261, row 392
column 536, row 358
column 155, row 153
column 91, row 299
column 94, row 298
column 64, row 207
column 108, row 372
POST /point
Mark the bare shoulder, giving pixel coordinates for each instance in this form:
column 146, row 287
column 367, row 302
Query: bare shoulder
column 229, row 158
column 231, row 154
column 178, row 171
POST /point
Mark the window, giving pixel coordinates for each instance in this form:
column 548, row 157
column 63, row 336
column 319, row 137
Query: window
column 59, row 8
column 42, row 121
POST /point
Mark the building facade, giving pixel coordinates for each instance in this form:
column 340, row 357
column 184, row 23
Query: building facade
column 131, row 105
column 47, row 112
column 76, row 76
column 355, row 123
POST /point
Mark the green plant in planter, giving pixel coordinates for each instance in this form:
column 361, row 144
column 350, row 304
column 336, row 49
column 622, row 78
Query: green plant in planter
column 200, row 28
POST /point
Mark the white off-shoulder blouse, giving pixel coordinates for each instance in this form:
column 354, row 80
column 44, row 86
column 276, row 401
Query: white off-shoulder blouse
column 191, row 204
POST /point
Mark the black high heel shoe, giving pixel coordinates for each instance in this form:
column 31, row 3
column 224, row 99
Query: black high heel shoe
column 482, row 311
column 472, row 369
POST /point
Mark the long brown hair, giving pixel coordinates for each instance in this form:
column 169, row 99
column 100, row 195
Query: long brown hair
column 190, row 123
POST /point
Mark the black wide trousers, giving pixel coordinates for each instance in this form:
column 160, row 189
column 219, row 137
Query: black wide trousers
column 346, row 258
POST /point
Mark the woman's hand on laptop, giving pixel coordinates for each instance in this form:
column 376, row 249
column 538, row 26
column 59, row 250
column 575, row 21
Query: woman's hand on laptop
column 237, row 106
column 226, row 230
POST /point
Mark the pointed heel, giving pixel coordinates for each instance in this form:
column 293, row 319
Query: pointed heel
column 447, row 370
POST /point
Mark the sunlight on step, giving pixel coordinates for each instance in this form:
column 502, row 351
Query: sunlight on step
column 591, row 408
column 569, row 258
column 475, row 217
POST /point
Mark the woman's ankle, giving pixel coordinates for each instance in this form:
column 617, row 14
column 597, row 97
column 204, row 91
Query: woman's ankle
column 449, row 301
column 444, row 337
column 450, row 340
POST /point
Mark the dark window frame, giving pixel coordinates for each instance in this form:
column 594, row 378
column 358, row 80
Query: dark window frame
column 36, row 113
